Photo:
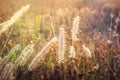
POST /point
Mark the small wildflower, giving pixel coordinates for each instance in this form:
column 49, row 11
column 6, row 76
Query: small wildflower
column 115, row 27
column 117, row 20
column 95, row 68
column 111, row 15
column 115, row 34
column 109, row 41
column 31, row 42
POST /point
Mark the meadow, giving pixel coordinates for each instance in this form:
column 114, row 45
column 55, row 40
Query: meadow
column 60, row 40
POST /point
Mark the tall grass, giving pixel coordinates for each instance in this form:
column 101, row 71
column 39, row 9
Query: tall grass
column 81, row 67
column 20, row 61
column 53, row 30
column 13, row 19
column 6, row 73
column 75, row 28
column 74, row 36
column 36, row 60
column 26, row 53
column 61, row 46
column 7, row 58
column 38, row 28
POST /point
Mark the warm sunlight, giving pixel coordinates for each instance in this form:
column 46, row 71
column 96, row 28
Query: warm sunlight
column 59, row 39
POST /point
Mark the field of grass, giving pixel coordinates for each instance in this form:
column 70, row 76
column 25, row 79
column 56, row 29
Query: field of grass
column 59, row 40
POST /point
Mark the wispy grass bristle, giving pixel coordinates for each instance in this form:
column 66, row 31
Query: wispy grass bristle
column 37, row 58
column 61, row 46
column 13, row 19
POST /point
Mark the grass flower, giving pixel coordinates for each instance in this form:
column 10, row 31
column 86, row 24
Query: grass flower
column 61, row 46
column 75, row 28
column 95, row 68
column 24, row 55
column 7, row 71
column 13, row 19
column 117, row 20
column 87, row 51
column 37, row 58
column 7, row 58
column 10, row 68
column 111, row 15
column 72, row 52
column 115, row 34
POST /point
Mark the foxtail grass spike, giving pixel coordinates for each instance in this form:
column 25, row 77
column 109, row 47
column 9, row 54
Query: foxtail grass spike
column 75, row 28
column 37, row 58
column 24, row 55
column 72, row 52
column 61, row 46
column 6, row 71
column 13, row 19
column 6, row 59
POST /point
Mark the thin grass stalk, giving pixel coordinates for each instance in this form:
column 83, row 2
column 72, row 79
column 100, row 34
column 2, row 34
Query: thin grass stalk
column 61, row 46
column 37, row 58
column 13, row 19
column 38, row 25
column 116, row 34
column 110, row 29
column 110, row 68
column 0, row 58
column 53, row 30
